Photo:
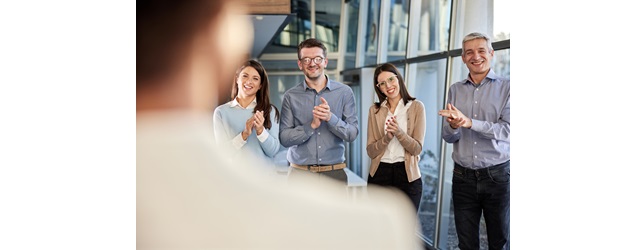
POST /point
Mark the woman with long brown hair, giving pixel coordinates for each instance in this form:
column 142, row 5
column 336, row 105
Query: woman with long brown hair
column 395, row 134
column 249, row 122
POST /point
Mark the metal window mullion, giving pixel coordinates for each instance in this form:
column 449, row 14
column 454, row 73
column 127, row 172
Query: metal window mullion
column 383, row 34
column 342, row 37
column 313, row 19
column 362, row 32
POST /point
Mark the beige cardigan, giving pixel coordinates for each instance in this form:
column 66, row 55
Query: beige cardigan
column 411, row 140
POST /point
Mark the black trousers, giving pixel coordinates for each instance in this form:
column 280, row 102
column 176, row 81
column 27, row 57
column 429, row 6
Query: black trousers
column 394, row 175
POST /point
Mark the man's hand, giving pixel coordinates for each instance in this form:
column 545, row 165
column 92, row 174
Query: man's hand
column 322, row 111
column 455, row 118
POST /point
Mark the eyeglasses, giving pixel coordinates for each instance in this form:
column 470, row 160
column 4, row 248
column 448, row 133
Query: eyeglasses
column 316, row 60
column 385, row 82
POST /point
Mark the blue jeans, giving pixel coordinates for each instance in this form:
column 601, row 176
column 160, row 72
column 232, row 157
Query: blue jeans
column 478, row 192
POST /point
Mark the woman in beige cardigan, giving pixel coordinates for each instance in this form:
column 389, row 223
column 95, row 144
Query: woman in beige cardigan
column 395, row 134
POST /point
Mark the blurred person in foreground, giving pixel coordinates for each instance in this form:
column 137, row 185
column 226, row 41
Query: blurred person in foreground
column 479, row 124
column 188, row 196
column 395, row 134
column 318, row 117
column 249, row 122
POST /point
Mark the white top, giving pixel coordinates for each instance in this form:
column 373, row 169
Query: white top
column 395, row 151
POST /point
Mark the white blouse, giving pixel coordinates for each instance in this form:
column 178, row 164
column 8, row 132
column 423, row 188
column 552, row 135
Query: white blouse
column 395, row 151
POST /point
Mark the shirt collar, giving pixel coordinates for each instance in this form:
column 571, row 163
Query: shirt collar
column 328, row 87
column 235, row 103
column 491, row 75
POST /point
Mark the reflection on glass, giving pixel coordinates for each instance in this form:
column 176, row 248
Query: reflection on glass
column 372, row 32
column 398, row 30
column 350, row 56
column 501, row 62
column 429, row 88
column 434, row 26
column 296, row 31
column 328, row 23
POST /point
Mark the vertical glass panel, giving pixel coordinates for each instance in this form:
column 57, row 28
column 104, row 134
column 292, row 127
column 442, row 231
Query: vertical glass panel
column 434, row 26
column 398, row 30
column 353, row 7
column 501, row 20
column 328, row 23
column 296, row 31
column 501, row 62
column 491, row 17
column 373, row 16
column 429, row 88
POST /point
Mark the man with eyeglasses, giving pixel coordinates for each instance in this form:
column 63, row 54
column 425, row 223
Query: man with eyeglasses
column 478, row 124
column 318, row 116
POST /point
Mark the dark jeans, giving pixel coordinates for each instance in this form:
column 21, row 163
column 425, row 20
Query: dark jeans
column 478, row 192
column 395, row 175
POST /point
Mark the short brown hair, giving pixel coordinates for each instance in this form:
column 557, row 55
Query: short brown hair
column 310, row 43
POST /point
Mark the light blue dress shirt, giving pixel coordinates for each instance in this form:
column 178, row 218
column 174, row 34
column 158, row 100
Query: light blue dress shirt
column 324, row 145
column 487, row 142
column 229, row 121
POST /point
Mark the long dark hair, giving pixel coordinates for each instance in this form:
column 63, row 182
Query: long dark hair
column 403, row 90
column 262, row 97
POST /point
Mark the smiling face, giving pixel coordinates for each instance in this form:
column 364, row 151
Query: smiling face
column 477, row 56
column 312, row 71
column 248, row 82
column 388, row 84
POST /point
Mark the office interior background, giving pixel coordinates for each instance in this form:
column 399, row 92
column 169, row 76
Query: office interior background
column 423, row 38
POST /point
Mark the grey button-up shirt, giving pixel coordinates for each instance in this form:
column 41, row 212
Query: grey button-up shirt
column 487, row 142
column 324, row 145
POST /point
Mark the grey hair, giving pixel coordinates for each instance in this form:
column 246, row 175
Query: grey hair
column 477, row 35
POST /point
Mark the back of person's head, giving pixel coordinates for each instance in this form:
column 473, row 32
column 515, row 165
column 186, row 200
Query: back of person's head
column 164, row 30
column 477, row 35
column 311, row 43
column 388, row 67
column 185, row 48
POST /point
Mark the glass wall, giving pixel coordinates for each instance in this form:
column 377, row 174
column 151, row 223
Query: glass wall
column 328, row 23
column 434, row 26
column 352, row 40
column 371, row 37
column 429, row 88
column 398, row 30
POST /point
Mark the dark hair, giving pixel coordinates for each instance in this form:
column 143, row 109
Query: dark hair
column 403, row 89
column 262, row 97
column 310, row 43
column 164, row 29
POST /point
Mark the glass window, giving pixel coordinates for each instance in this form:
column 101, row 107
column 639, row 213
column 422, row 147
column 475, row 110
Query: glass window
column 501, row 20
column 352, row 40
column 328, row 23
column 295, row 32
column 430, row 90
column 372, row 32
column 434, row 26
column 398, row 30
column 490, row 17
column 501, row 62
